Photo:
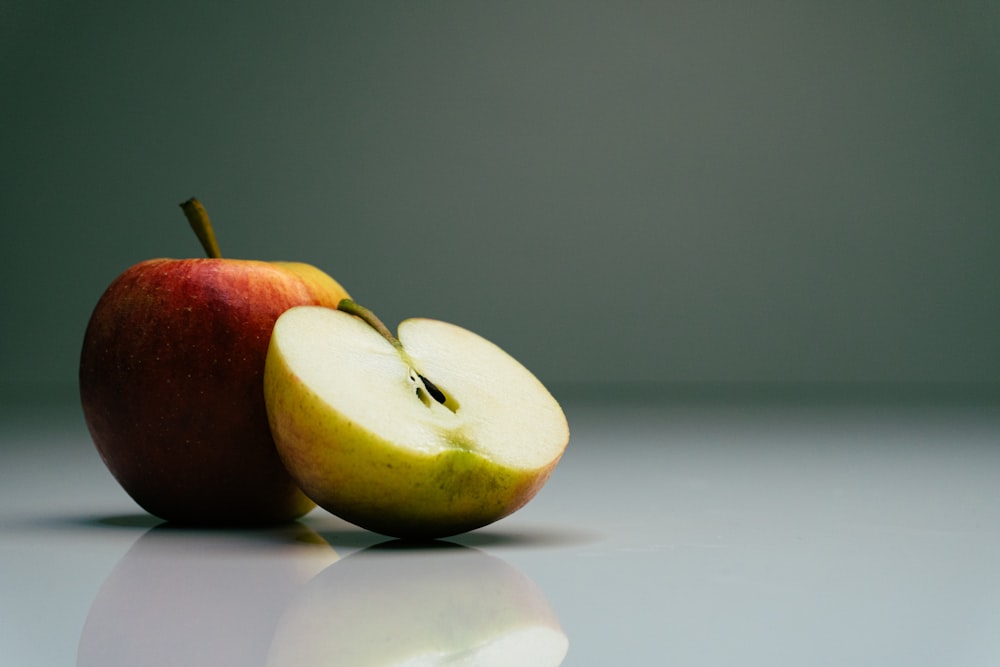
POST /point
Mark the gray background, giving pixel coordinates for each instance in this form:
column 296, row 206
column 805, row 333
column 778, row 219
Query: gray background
column 633, row 194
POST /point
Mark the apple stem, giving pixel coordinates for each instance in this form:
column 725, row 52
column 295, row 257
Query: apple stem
column 202, row 226
column 352, row 308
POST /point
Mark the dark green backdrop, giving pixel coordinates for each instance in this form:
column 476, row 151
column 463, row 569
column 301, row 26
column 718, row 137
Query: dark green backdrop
column 637, row 192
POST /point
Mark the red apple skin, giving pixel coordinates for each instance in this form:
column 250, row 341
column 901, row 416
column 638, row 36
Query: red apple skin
column 172, row 392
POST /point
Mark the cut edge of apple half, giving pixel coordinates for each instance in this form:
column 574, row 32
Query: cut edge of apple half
column 390, row 436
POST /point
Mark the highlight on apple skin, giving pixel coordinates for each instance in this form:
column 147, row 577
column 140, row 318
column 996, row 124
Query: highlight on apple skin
column 431, row 434
column 171, row 383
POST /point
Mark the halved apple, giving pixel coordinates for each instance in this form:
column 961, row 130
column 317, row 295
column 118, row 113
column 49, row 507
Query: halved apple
column 431, row 434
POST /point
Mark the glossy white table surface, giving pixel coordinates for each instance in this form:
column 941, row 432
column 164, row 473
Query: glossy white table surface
column 672, row 533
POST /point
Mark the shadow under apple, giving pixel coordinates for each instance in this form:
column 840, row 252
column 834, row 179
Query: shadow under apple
column 401, row 603
column 199, row 597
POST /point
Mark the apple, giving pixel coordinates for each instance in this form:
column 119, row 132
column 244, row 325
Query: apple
column 187, row 596
column 430, row 434
column 393, row 605
column 171, row 382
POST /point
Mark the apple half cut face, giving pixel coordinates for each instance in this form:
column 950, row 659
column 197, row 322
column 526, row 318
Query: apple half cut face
column 434, row 434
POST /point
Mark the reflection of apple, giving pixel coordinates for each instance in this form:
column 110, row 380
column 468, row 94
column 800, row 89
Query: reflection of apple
column 187, row 597
column 171, row 383
column 392, row 605
column 431, row 434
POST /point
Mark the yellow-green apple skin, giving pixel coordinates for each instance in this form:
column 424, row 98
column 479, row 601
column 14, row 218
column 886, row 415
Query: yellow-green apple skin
column 356, row 427
column 171, row 385
column 392, row 605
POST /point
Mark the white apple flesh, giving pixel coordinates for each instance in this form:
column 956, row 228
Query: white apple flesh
column 434, row 434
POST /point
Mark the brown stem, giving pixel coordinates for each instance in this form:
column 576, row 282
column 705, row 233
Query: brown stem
column 356, row 309
column 202, row 226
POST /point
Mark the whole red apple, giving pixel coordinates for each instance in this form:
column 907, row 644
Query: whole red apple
column 171, row 383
